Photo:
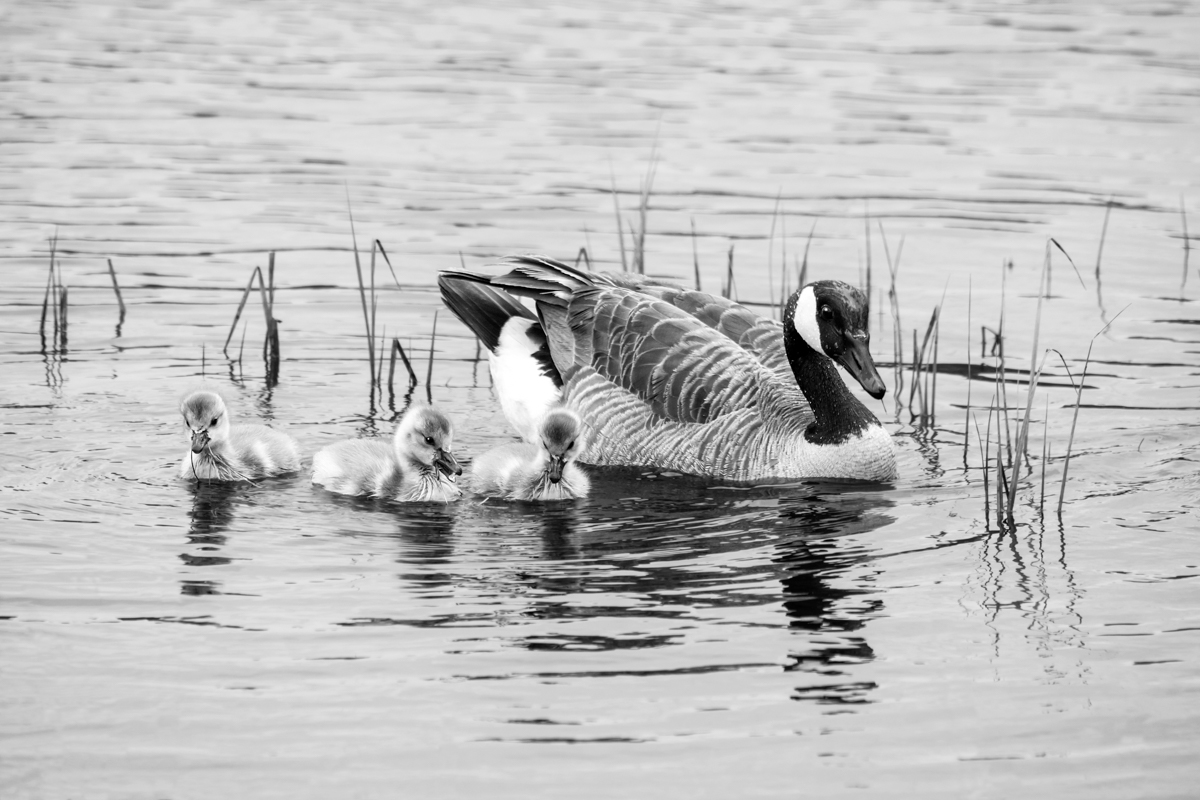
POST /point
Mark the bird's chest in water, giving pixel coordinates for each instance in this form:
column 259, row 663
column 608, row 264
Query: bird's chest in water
column 209, row 466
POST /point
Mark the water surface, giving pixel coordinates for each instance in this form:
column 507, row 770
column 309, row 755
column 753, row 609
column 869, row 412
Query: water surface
column 668, row 635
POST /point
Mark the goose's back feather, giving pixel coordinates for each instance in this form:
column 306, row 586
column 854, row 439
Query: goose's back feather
column 682, row 370
column 760, row 336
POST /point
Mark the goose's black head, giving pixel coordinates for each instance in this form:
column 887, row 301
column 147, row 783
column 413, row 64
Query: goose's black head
column 830, row 318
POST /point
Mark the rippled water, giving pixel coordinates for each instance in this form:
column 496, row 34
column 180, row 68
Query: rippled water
column 688, row 639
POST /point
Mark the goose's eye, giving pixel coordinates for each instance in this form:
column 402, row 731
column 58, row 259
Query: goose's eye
column 826, row 312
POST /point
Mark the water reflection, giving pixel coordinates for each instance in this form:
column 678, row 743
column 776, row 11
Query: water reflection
column 671, row 551
column 1026, row 570
column 426, row 559
column 211, row 515
column 824, row 601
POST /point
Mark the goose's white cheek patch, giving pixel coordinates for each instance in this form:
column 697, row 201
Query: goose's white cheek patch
column 805, row 319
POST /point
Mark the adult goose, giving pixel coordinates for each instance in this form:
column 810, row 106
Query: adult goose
column 678, row 379
column 221, row 451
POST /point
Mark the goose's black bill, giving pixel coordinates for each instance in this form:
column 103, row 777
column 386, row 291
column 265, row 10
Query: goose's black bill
column 856, row 358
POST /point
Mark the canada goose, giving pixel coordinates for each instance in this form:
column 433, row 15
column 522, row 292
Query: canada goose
column 416, row 466
column 678, row 379
column 536, row 472
column 221, row 451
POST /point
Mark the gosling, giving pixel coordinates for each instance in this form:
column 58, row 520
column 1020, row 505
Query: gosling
column 418, row 466
column 221, row 451
column 536, row 472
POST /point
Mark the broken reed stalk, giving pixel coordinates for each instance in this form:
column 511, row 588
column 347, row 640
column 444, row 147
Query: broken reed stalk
column 894, row 299
column 1003, row 442
column 382, row 347
column 1034, row 373
column 916, row 384
column 970, row 380
column 695, row 256
column 1045, row 456
column 271, row 340
column 1100, row 250
column 617, row 212
column 771, row 250
column 50, row 283
column 1001, row 373
column 917, row 390
column 376, row 371
column 1187, row 245
column 784, row 288
column 983, row 453
column 728, row 292
column 112, row 273
column 1062, row 489
column 398, row 349
column 54, row 303
column 237, row 315
column 580, row 257
column 62, row 315
column 867, row 236
column 429, row 372
column 362, row 292
column 937, row 329
column 802, row 277
column 1002, row 492
column 644, row 208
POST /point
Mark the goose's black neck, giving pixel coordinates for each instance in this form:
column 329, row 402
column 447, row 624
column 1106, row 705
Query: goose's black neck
column 838, row 415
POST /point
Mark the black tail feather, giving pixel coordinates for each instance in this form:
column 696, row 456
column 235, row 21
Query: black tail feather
column 481, row 307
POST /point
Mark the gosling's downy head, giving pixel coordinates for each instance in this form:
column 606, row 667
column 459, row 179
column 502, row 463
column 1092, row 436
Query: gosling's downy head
column 425, row 438
column 561, row 431
column 206, row 417
column 831, row 317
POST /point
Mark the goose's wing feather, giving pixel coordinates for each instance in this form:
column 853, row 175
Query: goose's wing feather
column 481, row 307
column 760, row 336
column 681, row 368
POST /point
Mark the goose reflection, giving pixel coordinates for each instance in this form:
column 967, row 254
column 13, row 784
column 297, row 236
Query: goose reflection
column 676, row 549
column 825, row 604
column 211, row 515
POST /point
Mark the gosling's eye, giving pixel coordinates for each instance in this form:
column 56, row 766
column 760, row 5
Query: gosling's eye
column 429, row 441
column 826, row 312
column 214, row 421
column 571, row 446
